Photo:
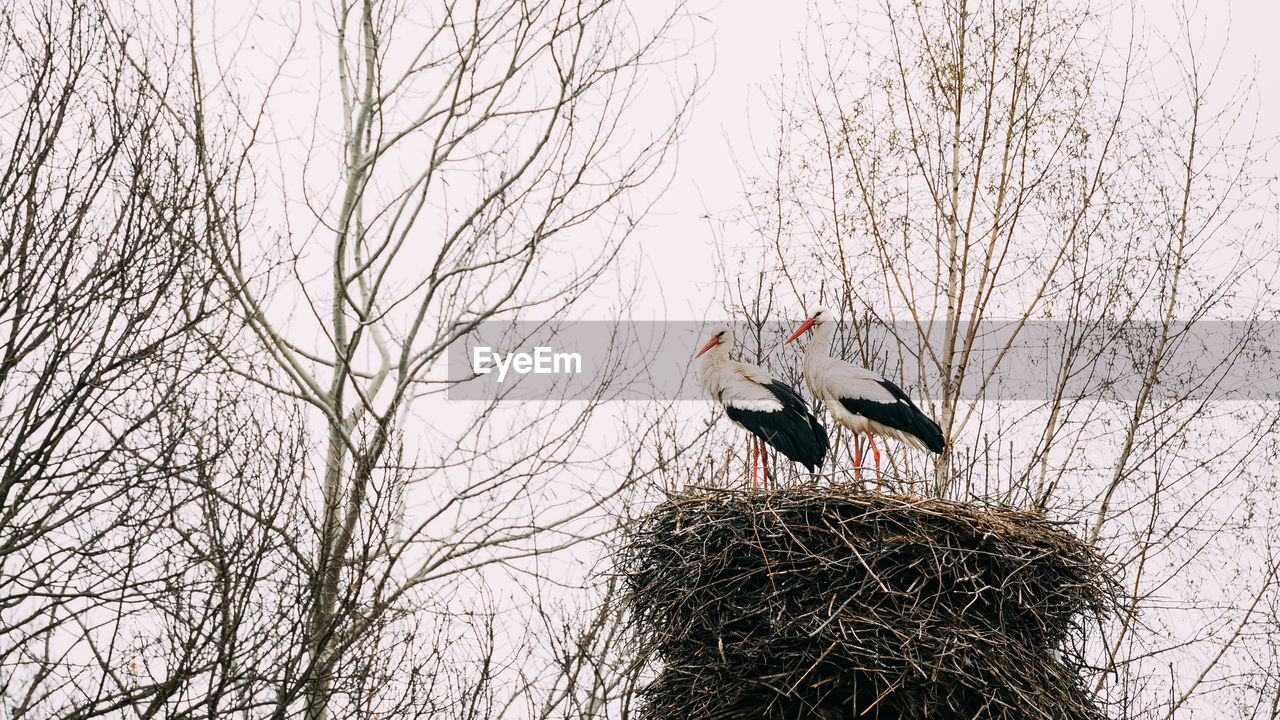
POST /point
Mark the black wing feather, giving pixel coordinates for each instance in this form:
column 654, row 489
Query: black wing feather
column 901, row 415
column 793, row 431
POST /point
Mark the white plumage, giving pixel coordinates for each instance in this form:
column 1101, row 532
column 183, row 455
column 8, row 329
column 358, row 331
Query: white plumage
column 771, row 411
column 860, row 399
column 737, row 384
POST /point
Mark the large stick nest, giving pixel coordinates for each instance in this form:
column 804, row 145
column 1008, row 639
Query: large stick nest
column 839, row 603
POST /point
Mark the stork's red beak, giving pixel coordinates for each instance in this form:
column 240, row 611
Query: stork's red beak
column 710, row 344
column 808, row 323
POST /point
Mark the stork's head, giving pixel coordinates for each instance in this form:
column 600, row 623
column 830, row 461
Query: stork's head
column 720, row 335
column 816, row 318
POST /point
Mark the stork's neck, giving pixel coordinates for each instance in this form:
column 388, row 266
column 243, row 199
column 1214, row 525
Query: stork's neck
column 820, row 343
column 715, row 358
column 713, row 364
column 817, row 354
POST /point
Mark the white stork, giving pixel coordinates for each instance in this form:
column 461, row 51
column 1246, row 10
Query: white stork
column 768, row 409
column 860, row 399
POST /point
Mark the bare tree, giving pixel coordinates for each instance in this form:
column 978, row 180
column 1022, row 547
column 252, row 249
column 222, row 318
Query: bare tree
column 113, row 434
column 213, row 508
column 485, row 173
column 981, row 175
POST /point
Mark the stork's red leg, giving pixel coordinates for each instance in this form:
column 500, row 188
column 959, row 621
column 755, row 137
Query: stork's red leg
column 876, row 450
column 764, row 463
column 857, row 458
column 755, row 457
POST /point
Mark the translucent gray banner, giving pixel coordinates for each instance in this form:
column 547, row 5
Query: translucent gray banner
column 1028, row 361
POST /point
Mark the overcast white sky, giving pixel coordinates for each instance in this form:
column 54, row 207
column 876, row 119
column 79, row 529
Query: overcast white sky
column 744, row 47
column 748, row 43
column 741, row 50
